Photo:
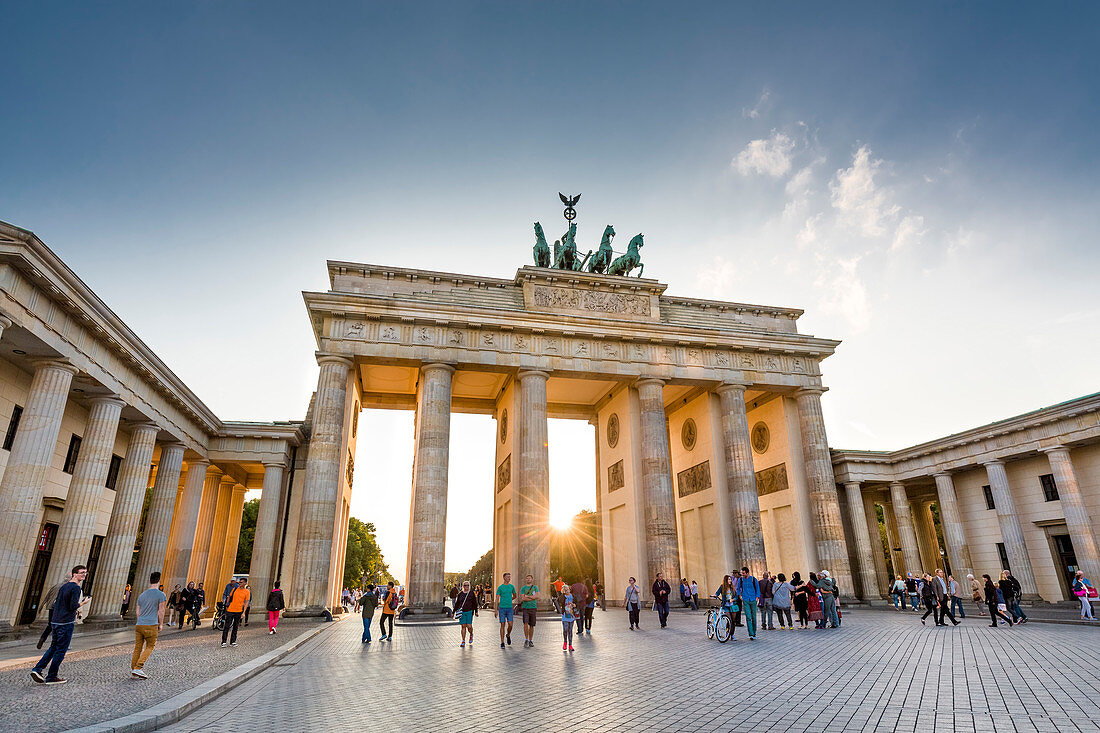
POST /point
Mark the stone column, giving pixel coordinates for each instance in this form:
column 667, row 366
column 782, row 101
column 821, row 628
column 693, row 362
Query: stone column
column 533, row 480
column 263, row 543
column 1080, row 526
column 204, row 526
column 903, row 514
column 25, row 479
column 744, row 503
column 428, row 519
column 74, row 535
column 662, row 546
column 875, row 535
column 5, row 323
column 893, row 538
column 118, row 546
column 600, row 570
column 832, row 550
column 158, row 520
column 1012, row 532
column 958, row 552
column 218, row 530
column 858, row 516
column 232, row 534
column 185, row 525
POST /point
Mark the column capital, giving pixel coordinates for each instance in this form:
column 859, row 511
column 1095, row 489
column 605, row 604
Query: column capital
column 538, row 373
column 437, row 366
column 944, row 474
column 144, row 427
column 732, row 387
column 274, row 463
column 197, row 462
column 323, row 358
column 108, row 399
column 897, row 484
column 239, row 488
column 227, row 480
column 60, row 364
column 803, row 391
column 650, row 380
column 5, row 322
column 1055, row 449
column 858, row 485
column 993, row 462
column 173, row 445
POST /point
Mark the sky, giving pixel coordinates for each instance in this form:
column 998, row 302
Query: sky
column 921, row 179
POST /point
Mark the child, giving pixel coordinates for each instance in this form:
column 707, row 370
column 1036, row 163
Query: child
column 568, row 618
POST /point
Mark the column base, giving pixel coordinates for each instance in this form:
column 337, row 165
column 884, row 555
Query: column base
column 113, row 619
column 425, row 610
column 307, row 612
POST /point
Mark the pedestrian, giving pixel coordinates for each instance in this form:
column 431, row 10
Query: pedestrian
column 367, row 603
column 1013, row 592
column 466, row 606
column 976, row 593
column 589, row 608
column 661, row 591
column 748, row 588
column 956, row 600
column 781, row 600
column 912, row 590
column 232, row 585
column 150, row 620
column 580, row 600
column 389, row 608
column 125, row 601
column 813, row 601
column 65, row 610
column 558, row 585
column 830, row 593
column 238, row 601
column 943, row 598
column 275, row 604
column 173, row 602
column 1084, row 591
column 992, row 601
column 767, row 603
column 685, row 593
column 928, row 597
column 633, row 602
column 801, row 600
column 568, row 618
column 248, row 608
column 198, row 603
column 601, row 595
column 453, row 594
column 695, row 594
column 47, row 602
column 528, row 608
column 184, row 604
column 506, row 594
column 897, row 590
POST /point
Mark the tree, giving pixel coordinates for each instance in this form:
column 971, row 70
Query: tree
column 248, row 534
column 363, row 558
column 573, row 551
column 481, row 571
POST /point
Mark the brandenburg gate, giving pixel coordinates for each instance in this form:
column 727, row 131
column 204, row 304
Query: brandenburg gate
column 710, row 446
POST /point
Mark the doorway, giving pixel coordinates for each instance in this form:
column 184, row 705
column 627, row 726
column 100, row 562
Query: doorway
column 1066, row 560
column 43, row 551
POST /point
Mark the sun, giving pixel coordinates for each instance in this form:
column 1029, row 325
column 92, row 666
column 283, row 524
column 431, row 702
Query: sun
column 561, row 522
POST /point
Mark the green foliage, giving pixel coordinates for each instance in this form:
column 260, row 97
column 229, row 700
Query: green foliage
column 573, row 551
column 884, row 541
column 480, row 572
column 363, row 558
column 248, row 534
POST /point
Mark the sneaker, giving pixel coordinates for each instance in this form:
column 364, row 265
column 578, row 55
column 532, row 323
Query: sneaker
column 140, row 674
column 502, row 645
column 570, row 648
column 464, row 643
column 56, row 681
column 233, row 644
column 471, row 642
column 223, row 645
column 37, row 676
column 509, row 638
column 383, row 637
column 752, row 638
column 564, row 647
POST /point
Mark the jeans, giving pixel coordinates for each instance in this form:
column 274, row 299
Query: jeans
column 1015, row 610
column 828, row 605
column 945, row 612
column 766, row 611
column 144, row 636
column 751, row 611
column 957, row 606
column 366, row 628
column 662, row 612
column 914, row 600
column 232, row 622
column 781, row 612
column 588, row 618
column 1086, row 607
column 634, row 610
column 382, row 625
column 62, row 637
column 898, row 601
column 994, row 614
column 695, row 601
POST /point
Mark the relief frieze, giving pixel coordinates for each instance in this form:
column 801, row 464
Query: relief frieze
column 591, row 300
column 693, row 480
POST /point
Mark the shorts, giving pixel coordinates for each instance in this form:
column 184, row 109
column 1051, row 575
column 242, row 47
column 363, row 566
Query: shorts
column 467, row 617
column 505, row 614
column 529, row 616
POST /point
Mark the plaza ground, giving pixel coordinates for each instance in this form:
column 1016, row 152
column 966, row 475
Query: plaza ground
column 881, row 671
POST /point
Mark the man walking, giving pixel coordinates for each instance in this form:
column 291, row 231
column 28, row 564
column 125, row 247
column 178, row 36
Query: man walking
column 976, row 593
column 367, row 604
column 766, row 608
column 943, row 599
column 600, row 595
column 580, row 600
column 64, row 619
column 506, row 594
column 529, row 596
column 661, row 589
column 239, row 599
column 956, row 600
column 150, row 620
column 748, row 587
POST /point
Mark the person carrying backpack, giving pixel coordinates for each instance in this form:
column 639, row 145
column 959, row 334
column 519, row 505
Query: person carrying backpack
column 389, row 608
column 275, row 604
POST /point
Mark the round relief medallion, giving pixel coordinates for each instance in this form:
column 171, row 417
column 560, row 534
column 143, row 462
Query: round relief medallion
column 503, row 425
column 613, row 430
column 688, row 434
column 760, row 438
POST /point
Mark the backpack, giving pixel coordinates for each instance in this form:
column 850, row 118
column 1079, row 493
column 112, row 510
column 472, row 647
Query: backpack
column 392, row 605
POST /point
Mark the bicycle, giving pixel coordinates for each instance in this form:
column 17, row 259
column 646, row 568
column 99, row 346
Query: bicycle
column 720, row 623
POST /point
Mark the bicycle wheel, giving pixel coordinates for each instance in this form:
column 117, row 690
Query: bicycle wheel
column 723, row 629
column 219, row 624
column 711, row 622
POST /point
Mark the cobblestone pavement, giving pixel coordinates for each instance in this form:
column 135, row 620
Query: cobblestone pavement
column 880, row 671
column 99, row 685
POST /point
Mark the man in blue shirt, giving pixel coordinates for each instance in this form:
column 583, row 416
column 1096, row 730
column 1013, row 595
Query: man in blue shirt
column 748, row 587
column 62, row 623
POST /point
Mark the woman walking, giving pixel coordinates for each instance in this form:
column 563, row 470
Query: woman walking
column 897, row 590
column 589, row 607
column 781, row 601
column 275, row 604
column 928, row 597
column 976, row 593
column 568, row 618
column 801, row 600
column 389, row 608
column 991, row 602
column 466, row 606
column 813, row 603
column 1083, row 589
column 633, row 603
column 125, row 600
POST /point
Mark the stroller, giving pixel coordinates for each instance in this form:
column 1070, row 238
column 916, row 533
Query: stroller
column 219, row 617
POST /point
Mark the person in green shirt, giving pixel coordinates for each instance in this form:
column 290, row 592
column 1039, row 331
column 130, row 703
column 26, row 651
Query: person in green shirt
column 528, row 596
column 506, row 593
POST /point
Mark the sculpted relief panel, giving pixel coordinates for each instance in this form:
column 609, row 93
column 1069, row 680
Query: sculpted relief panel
column 591, row 300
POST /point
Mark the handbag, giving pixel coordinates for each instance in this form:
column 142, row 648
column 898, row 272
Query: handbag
column 1091, row 592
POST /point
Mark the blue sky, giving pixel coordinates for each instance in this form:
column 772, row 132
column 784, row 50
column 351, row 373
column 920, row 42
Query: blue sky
column 920, row 178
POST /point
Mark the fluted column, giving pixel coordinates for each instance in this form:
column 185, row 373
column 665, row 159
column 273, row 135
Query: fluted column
column 216, row 545
column 958, row 552
column 858, row 516
column 158, row 520
column 907, row 535
column 204, row 526
column 428, row 518
column 74, row 534
column 118, row 546
column 25, row 478
column 232, row 535
column 1078, row 522
column 875, row 535
column 184, row 525
column 744, row 502
column 662, row 547
column 309, row 591
column 263, row 542
column 533, row 480
column 5, row 323
column 832, row 550
column 1012, row 532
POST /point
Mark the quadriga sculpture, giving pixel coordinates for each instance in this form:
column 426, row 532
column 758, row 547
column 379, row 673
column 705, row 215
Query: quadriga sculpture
column 542, row 249
column 624, row 264
column 602, row 259
column 565, row 256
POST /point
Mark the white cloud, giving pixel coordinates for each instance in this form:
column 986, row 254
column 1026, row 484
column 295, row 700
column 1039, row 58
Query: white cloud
column 758, row 108
column 769, row 156
column 843, row 293
column 808, row 234
column 860, row 203
column 716, row 280
column 910, row 231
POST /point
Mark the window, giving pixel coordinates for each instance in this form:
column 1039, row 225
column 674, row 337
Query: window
column 1004, row 556
column 71, row 456
column 988, row 497
column 112, row 472
column 93, row 564
column 1050, row 489
column 13, row 426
